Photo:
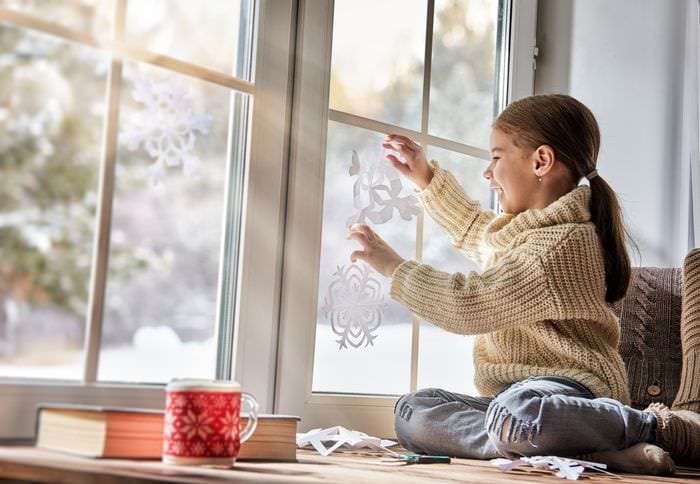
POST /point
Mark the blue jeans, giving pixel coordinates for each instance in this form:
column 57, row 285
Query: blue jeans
column 538, row 416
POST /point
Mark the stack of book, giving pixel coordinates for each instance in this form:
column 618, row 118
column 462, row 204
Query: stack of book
column 137, row 433
column 275, row 438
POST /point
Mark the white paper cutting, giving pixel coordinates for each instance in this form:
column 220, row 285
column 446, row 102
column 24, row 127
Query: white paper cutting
column 354, row 305
column 563, row 468
column 166, row 126
column 376, row 193
column 325, row 441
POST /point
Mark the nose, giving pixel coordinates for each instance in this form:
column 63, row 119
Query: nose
column 488, row 172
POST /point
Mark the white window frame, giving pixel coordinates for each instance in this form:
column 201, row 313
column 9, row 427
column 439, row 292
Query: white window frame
column 254, row 276
column 372, row 414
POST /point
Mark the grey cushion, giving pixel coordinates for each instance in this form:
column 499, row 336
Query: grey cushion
column 650, row 343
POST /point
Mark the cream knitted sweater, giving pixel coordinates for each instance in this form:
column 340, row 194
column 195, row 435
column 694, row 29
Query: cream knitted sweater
column 539, row 306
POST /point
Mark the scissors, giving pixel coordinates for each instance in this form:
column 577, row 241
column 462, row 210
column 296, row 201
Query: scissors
column 407, row 459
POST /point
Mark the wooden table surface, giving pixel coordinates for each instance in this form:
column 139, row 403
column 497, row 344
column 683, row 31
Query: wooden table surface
column 38, row 465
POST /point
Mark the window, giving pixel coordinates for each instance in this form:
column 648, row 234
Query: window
column 159, row 195
column 437, row 71
column 150, row 271
column 125, row 180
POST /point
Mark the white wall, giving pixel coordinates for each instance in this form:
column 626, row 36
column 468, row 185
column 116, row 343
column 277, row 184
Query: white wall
column 622, row 58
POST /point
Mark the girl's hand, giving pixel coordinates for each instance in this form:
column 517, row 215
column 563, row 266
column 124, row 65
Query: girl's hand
column 376, row 253
column 416, row 167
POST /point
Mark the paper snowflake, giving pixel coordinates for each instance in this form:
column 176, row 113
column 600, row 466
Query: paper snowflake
column 354, row 305
column 166, row 126
column 325, row 441
column 563, row 468
column 376, row 192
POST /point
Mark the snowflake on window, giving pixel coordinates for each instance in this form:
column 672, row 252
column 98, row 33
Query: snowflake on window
column 166, row 126
column 354, row 305
column 376, row 192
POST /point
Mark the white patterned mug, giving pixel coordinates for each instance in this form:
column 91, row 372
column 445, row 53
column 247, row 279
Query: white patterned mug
column 202, row 422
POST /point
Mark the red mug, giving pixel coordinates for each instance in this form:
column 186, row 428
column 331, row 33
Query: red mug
column 202, row 422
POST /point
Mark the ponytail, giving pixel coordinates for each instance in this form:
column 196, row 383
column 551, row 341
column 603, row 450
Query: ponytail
column 607, row 218
column 570, row 128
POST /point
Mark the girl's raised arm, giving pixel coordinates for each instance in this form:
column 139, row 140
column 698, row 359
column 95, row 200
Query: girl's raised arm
column 460, row 217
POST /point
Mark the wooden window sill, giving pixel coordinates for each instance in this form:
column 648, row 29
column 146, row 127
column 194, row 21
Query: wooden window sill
column 38, row 465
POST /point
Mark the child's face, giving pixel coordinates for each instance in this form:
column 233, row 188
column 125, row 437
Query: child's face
column 511, row 174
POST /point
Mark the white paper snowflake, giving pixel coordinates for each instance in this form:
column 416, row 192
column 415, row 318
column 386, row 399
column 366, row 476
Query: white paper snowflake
column 354, row 305
column 166, row 126
column 563, row 468
column 376, row 192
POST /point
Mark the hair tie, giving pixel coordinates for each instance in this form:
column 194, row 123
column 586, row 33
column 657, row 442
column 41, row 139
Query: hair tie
column 592, row 175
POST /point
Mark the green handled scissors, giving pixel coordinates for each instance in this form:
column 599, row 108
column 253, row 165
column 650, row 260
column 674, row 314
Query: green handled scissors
column 420, row 459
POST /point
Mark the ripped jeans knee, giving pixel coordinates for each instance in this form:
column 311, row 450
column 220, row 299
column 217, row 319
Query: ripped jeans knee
column 536, row 416
column 513, row 432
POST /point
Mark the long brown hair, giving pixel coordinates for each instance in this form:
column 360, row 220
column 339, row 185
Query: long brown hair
column 572, row 131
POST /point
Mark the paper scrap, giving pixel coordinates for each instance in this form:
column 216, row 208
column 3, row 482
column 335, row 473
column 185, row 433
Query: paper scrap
column 325, row 441
column 562, row 467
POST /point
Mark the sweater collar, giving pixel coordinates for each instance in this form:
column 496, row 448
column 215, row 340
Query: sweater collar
column 573, row 207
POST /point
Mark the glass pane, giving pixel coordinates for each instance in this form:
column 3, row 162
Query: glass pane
column 363, row 337
column 51, row 114
column 468, row 170
column 205, row 32
column 377, row 60
column 463, row 75
column 160, row 314
column 438, row 348
column 94, row 17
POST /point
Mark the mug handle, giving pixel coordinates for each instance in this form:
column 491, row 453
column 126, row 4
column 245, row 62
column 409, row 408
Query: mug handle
column 252, row 416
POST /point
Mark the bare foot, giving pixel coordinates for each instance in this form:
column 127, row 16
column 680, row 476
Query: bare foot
column 642, row 458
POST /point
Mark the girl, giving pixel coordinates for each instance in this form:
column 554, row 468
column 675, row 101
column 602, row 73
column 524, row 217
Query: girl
column 546, row 359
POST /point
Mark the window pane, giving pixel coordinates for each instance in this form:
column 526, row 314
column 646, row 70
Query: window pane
column 363, row 337
column 160, row 314
column 51, row 115
column 438, row 348
column 377, row 60
column 93, row 17
column 463, row 74
column 205, row 32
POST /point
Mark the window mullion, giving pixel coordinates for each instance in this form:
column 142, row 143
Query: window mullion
column 427, row 65
column 237, row 149
column 425, row 118
column 121, row 49
column 425, row 139
column 98, row 278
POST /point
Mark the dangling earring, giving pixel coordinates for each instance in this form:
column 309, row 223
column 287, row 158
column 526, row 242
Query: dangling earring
column 539, row 178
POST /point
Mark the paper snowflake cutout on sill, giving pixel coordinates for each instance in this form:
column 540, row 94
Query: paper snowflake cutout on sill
column 166, row 126
column 354, row 306
column 563, row 468
column 376, row 193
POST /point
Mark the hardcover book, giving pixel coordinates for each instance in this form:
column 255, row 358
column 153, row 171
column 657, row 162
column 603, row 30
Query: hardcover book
column 137, row 433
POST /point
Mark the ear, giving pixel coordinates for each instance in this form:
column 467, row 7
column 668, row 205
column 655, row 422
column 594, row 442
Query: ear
column 543, row 160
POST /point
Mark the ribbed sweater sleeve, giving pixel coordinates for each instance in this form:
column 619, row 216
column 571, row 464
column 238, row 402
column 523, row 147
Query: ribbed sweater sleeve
column 459, row 216
column 513, row 293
